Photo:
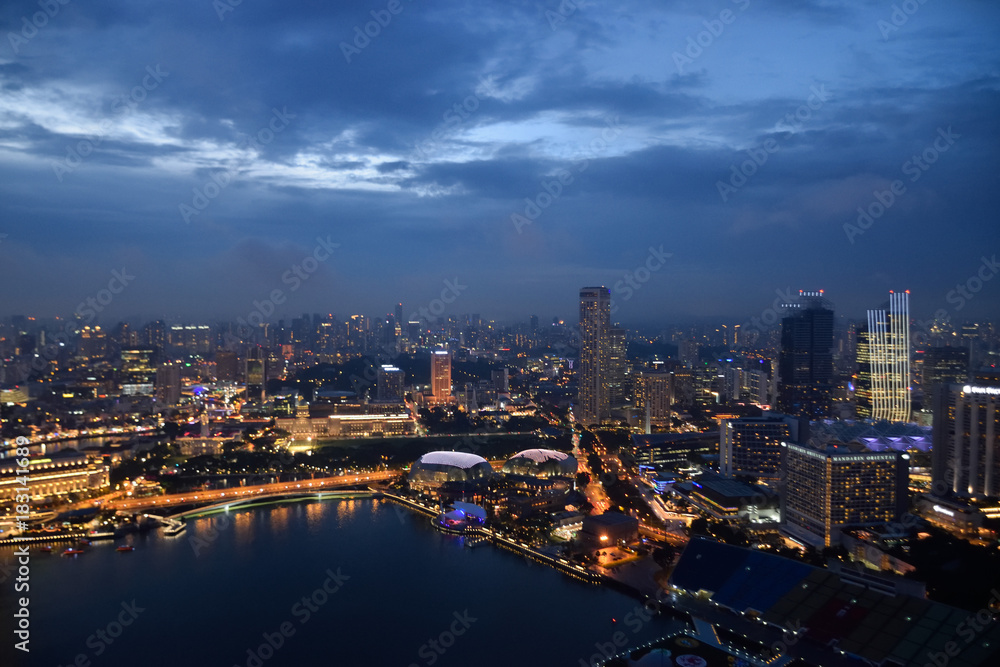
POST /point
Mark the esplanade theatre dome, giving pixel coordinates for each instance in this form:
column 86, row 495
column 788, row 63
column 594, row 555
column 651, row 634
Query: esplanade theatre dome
column 541, row 463
column 434, row 469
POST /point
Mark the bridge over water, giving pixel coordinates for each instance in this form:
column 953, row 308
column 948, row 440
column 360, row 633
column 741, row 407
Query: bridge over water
column 243, row 494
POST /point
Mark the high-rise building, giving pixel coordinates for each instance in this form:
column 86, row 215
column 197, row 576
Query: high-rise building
column 168, row 383
column 93, row 343
column 617, row 365
column 255, row 372
column 653, row 397
column 441, row 376
column 754, row 446
column 805, row 363
column 966, row 453
column 137, row 371
column 400, row 322
column 943, row 366
column 882, row 389
column 227, row 366
column 501, row 381
column 154, row 335
column 389, row 384
column 593, row 404
column 829, row 489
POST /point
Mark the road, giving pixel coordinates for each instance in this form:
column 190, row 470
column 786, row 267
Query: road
column 246, row 492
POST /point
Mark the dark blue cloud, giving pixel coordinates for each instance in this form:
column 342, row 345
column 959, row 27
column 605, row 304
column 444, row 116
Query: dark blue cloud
column 417, row 147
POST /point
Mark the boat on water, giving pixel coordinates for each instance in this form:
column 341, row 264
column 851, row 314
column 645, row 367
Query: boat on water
column 72, row 552
column 45, row 550
column 125, row 547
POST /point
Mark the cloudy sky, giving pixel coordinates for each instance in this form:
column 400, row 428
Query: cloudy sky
column 522, row 149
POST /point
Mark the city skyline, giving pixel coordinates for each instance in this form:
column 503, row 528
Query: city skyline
column 520, row 153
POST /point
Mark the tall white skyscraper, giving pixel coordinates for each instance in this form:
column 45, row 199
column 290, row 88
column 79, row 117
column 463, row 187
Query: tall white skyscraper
column 883, row 388
column 593, row 404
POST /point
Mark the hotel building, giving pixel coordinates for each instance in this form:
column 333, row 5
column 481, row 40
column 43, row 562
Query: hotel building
column 829, row 489
column 966, row 454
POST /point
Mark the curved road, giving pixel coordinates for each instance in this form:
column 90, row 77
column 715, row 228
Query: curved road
column 246, row 492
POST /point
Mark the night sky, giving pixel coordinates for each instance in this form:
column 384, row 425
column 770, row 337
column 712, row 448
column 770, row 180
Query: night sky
column 204, row 147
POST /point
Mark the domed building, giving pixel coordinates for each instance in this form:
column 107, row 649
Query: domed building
column 541, row 463
column 435, row 472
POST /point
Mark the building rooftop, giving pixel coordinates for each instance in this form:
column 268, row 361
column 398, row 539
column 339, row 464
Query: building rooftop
column 456, row 459
column 876, row 626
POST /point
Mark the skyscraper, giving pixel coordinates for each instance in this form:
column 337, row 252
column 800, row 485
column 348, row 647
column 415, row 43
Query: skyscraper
column 255, row 374
column 441, row 376
column 754, row 445
column 805, row 364
column 593, row 404
column 883, row 381
column 966, row 454
column 942, row 366
column 168, row 383
column 653, row 397
column 617, row 365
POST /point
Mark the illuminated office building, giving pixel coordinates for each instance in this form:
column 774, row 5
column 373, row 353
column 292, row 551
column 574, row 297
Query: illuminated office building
column 93, row 343
column 256, row 375
column 883, row 380
column 593, row 404
column 441, row 376
column 138, row 371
